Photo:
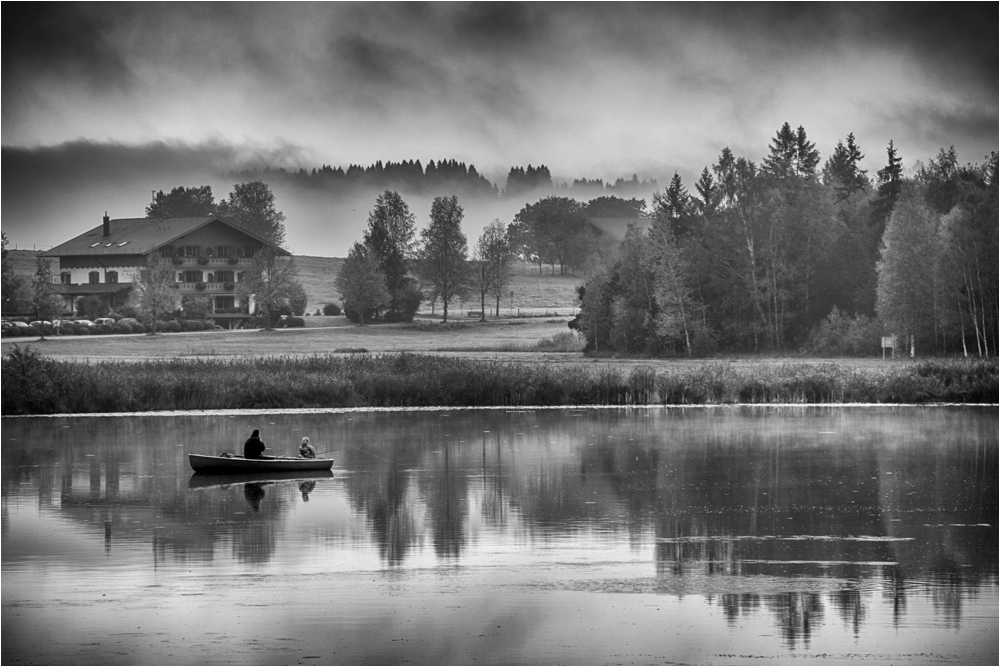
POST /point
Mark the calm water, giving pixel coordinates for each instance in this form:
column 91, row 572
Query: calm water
column 731, row 535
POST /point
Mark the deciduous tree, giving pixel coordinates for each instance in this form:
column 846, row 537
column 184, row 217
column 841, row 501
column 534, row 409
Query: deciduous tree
column 906, row 282
column 496, row 251
column 362, row 284
column 181, row 202
column 445, row 248
column 390, row 238
column 252, row 205
column 154, row 290
column 46, row 302
column 268, row 280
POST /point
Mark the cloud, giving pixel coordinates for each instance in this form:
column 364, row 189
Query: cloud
column 599, row 90
column 64, row 42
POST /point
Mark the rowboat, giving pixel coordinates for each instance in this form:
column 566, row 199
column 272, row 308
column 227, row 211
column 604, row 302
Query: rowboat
column 237, row 465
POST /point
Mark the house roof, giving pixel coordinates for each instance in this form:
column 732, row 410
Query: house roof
column 140, row 236
column 617, row 227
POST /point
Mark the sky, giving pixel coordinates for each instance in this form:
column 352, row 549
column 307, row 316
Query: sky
column 103, row 103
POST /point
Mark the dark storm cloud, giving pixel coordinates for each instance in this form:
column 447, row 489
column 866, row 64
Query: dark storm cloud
column 60, row 40
column 500, row 26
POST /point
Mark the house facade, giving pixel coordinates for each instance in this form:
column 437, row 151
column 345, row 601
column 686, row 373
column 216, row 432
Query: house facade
column 208, row 255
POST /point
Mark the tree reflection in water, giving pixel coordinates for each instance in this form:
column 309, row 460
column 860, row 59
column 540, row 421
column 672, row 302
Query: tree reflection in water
column 809, row 514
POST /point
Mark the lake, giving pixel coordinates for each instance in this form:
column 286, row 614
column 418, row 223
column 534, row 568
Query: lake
column 727, row 535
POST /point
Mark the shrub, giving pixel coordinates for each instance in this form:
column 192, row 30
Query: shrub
column 121, row 328
column 561, row 342
column 355, row 316
column 331, row 309
column 294, row 322
column 254, row 323
column 173, row 326
column 210, row 325
column 176, row 260
column 128, row 311
column 840, row 334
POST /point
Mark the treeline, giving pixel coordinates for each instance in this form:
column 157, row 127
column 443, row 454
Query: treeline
column 441, row 176
column 796, row 253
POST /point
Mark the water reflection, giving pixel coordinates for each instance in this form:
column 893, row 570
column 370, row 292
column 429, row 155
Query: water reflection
column 808, row 516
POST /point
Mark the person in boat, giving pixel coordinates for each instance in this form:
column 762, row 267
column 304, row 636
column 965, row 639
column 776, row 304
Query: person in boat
column 306, row 450
column 254, row 447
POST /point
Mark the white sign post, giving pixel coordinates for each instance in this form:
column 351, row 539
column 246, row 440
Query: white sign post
column 889, row 342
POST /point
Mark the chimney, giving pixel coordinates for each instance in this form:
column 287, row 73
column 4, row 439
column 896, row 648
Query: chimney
column 107, row 225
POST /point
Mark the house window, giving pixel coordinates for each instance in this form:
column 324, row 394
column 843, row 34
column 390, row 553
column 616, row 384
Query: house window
column 65, row 277
column 167, row 251
column 222, row 251
column 223, row 303
column 192, row 276
column 94, row 277
column 111, row 277
column 224, row 277
column 245, row 251
column 190, row 251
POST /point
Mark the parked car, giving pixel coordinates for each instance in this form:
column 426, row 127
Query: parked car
column 39, row 323
column 19, row 324
column 131, row 321
column 86, row 323
column 104, row 320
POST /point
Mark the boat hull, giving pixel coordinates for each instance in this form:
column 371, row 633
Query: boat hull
column 237, row 465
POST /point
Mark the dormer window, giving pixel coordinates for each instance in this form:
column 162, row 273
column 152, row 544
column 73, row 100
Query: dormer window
column 122, row 243
column 108, row 245
column 94, row 245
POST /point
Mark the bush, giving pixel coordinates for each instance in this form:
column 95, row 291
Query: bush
column 406, row 301
column 92, row 307
column 354, row 315
column 128, row 311
column 254, row 323
column 210, row 325
column 173, row 326
column 843, row 335
column 294, row 322
column 331, row 309
column 121, row 328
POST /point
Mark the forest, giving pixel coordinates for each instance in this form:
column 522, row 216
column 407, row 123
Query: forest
column 796, row 253
column 791, row 253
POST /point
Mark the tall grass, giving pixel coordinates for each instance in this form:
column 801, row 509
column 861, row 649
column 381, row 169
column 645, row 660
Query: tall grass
column 33, row 384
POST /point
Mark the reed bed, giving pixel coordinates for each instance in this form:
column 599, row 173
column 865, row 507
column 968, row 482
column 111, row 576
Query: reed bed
column 34, row 384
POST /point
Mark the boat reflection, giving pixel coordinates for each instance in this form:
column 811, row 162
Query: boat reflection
column 203, row 481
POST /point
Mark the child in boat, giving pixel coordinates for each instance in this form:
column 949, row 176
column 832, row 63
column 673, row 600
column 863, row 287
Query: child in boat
column 254, row 447
column 306, row 450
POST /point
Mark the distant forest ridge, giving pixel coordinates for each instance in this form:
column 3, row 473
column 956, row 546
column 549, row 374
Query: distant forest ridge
column 412, row 176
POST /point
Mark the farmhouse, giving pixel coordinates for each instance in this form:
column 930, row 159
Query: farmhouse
column 208, row 255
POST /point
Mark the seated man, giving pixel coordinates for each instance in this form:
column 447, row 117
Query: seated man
column 253, row 448
column 306, row 450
